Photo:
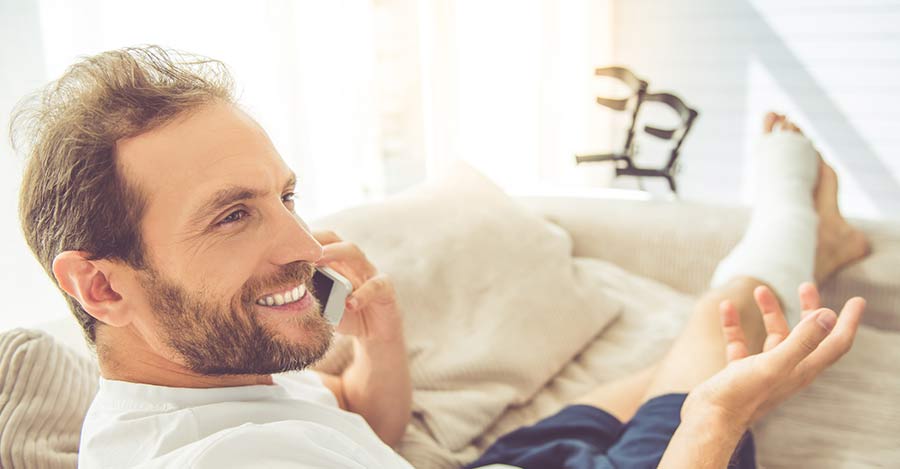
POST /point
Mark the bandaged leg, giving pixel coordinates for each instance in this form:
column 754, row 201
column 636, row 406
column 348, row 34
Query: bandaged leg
column 779, row 246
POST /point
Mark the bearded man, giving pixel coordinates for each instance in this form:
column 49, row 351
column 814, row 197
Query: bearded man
column 166, row 217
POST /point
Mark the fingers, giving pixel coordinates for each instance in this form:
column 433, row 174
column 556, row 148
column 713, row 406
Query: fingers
column 371, row 312
column 378, row 289
column 326, row 237
column 804, row 339
column 773, row 317
column 841, row 339
column 809, row 298
column 350, row 255
column 735, row 341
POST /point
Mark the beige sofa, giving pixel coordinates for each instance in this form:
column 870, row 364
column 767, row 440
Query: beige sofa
column 505, row 325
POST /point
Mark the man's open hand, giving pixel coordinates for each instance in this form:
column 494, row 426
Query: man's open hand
column 752, row 385
column 370, row 312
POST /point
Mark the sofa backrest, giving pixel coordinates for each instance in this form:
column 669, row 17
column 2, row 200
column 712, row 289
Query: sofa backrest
column 680, row 243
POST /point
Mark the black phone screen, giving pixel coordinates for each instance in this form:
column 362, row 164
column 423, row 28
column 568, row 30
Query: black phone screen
column 322, row 287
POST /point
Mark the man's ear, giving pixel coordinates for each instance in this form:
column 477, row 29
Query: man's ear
column 89, row 283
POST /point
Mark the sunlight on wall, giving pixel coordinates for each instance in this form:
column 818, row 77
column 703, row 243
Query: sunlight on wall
column 510, row 88
column 833, row 66
column 850, row 107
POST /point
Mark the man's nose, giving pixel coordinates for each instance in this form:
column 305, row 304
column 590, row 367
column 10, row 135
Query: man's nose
column 293, row 242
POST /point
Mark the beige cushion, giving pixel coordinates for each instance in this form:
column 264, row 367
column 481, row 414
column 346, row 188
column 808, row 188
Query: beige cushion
column 495, row 305
column 45, row 391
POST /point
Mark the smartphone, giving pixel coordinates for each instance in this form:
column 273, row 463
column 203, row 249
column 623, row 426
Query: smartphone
column 331, row 290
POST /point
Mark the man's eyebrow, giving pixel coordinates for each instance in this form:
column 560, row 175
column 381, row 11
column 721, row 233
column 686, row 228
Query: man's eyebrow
column 292, row 181
column 229, row 195
column 222, row 198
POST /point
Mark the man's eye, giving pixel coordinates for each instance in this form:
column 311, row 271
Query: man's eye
column 288, row 198
column 233, row 217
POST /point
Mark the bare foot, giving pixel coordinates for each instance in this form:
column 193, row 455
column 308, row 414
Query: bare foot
column 838, row 243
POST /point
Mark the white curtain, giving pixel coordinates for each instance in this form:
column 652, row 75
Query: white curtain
column 507, row 86
column 362, row 98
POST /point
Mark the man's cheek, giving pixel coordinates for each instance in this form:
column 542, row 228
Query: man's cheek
column 232, row 269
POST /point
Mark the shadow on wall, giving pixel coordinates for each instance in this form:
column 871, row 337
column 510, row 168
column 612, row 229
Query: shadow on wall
column 874, row 177
column 835, row 62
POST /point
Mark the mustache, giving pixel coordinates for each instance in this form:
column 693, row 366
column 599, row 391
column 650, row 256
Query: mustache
column 287, row 275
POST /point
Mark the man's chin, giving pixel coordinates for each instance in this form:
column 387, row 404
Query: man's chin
column 295, row 327
column 271, row 345
column 308, row 335
column 301, row 341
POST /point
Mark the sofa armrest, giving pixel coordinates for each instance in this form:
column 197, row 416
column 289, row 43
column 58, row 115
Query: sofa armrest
column 680, row 244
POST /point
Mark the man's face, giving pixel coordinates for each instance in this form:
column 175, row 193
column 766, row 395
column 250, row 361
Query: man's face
column 221, row 238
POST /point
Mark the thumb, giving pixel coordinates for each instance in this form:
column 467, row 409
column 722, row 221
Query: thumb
column 805, row 338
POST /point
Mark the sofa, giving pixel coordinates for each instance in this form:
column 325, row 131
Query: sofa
column 514, row 307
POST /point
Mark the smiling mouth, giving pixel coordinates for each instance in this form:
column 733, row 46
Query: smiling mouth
column 288, row 296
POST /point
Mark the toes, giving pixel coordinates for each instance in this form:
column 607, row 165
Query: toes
column 769, row 121
column 772, row 122
column 783, row 123
column 788, row 125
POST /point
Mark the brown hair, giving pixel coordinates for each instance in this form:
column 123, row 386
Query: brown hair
column 73, row 196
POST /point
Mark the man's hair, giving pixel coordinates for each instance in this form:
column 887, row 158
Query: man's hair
column 74, row 197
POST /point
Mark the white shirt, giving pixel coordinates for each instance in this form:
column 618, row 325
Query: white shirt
column 294, row 423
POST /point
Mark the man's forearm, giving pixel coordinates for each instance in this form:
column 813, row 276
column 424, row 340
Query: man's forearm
column 702, row 442
column 378, row 387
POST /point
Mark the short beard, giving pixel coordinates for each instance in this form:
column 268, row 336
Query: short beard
column 214, row 339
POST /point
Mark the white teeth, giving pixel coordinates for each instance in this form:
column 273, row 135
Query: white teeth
column 279, row 299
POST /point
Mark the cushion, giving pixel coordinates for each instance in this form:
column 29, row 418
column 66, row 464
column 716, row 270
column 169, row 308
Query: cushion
column 45, row 391
column 495, row 305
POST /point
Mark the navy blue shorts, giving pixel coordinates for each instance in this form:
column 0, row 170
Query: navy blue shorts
column 582, row 436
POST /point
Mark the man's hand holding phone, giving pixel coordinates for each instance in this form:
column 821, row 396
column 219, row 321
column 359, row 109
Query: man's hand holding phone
column 370, row 311
column 377, row 383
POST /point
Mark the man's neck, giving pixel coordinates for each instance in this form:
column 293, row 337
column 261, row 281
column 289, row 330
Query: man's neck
column 136, row 361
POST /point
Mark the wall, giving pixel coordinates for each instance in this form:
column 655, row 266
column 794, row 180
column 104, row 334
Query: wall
column 832, row 65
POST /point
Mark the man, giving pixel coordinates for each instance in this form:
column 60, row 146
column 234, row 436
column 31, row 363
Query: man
column 165, row 215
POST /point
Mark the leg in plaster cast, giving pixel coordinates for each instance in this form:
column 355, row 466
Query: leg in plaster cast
column 698, row 352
